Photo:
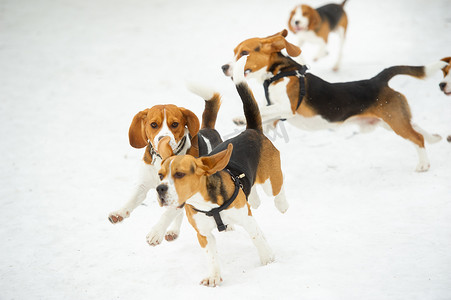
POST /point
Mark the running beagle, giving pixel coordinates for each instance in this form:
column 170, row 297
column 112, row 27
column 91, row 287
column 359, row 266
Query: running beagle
column 445, row 85
column 214, row 188
column 309, row 102
column 314, row 25
column 181, row 126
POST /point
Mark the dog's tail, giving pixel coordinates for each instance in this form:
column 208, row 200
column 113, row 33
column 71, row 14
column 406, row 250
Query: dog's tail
column 250, row 106
column 415, row 71
column 343, row 3
column 212, row 103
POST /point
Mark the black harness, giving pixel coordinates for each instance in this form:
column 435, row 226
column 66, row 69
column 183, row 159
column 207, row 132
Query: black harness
column 215, row 211
column 299, row 73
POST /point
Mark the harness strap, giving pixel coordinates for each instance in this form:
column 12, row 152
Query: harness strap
column 299, row 73
column 154, row 154
column 215, row 211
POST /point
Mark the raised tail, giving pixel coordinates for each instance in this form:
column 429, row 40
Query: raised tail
column 343, row 3
column 212, row 104
column 415, row 71
column 250, row 106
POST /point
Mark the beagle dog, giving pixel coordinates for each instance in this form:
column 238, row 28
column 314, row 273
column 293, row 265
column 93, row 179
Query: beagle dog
column 314, row 25
column 213, row 189
column 308, row 102
column 181, row 126
column 445, row 85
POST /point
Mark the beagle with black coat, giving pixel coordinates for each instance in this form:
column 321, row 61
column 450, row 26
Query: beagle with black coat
column 326, row 105
column 180, row 127
column 314, row 25
column 213, row 189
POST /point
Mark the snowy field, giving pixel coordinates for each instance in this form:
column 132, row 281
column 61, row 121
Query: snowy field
column 361, row 223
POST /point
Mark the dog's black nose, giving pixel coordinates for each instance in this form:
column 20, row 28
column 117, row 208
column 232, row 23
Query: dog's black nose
column 162, row 189
column 296, row 22
column 442, row 85
column 225, row 68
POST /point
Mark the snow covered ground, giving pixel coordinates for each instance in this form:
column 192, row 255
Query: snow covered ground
column 361, row 223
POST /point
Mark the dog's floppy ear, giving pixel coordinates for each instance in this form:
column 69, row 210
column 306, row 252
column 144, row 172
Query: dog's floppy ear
column 192, row 122
column 278, row 42
column 447, row 60
column 314, row 19
column 164, row 149
column 136, row 133
column 212, row 164
column 283, row 33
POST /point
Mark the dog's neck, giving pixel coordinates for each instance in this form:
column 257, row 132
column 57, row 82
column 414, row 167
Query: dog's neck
column 214, row 191
column 281, row 63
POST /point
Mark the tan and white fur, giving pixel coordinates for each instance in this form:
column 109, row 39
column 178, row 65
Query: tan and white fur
column 445, row 84
column 327, row 105
column 155, row 128
column 202, row 184
column 314, row 26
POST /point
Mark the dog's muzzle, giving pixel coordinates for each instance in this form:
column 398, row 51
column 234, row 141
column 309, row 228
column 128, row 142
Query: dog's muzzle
column 226, row 69
column 162, row 190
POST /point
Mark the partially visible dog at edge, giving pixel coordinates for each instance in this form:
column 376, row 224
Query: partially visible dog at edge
column 176, row 130
column 213, row 189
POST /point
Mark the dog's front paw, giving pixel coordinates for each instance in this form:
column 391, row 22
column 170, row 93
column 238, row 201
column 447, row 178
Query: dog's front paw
column 423, row 167
column 155, row 237
column 267, row 258
column 171, row 235
column 211, row 281
column 118, row 216
column 240, row 121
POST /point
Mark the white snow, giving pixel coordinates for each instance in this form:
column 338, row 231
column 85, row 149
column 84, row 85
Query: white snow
column 361, row 223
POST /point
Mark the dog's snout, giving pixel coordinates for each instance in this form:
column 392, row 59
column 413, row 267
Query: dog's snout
column 296, row 22
column 159, row 138
column 442, row 85
column 225, row 68
column 162, row 189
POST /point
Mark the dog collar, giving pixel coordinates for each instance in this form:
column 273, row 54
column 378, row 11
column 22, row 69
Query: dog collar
column 154, row 154
column 299, row 73
column 215, row 211
column 180, row 146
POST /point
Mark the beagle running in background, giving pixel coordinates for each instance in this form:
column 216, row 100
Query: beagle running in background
column 181, row 125
column 445, row 85
column 309, row 102
column 314, row 25
column 214, row 188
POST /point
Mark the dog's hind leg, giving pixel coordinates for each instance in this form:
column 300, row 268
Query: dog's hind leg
column 341, row 34
column 393, row 109
column 430, row 138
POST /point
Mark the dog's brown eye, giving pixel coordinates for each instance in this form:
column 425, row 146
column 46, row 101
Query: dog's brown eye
column 153, row 125
column 161, row 176
column 174, row 125
column 179, row 175
column 243, row 53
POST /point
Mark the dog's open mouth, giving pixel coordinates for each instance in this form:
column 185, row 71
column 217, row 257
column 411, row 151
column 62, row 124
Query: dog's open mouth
column 299, row 28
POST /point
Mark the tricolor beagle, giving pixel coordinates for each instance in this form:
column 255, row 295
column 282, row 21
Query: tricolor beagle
column 214, row 188
column 445, row 85
column 309, row 102
column 314, row 25
column 181, row 125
